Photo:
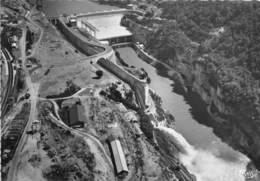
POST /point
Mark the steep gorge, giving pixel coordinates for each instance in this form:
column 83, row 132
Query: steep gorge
column 230, row 90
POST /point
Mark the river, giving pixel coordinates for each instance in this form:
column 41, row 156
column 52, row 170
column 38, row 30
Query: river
column 207, row 156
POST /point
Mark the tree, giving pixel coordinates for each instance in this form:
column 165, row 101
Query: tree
column 99, row 73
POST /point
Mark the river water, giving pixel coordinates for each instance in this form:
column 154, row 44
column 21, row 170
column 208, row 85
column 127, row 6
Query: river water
column 207, row 156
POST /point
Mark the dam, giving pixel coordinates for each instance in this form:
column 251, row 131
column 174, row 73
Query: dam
column 100, row 25
column 207, row 156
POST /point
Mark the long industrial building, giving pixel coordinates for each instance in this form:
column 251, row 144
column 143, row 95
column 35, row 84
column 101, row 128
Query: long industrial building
column 119, row 157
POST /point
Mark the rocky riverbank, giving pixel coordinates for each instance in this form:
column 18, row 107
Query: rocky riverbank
column 230, row 92
column 225, row 82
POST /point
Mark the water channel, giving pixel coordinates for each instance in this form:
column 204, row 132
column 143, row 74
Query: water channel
column 207, row 156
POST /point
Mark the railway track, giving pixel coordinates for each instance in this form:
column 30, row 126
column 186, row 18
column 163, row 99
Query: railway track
column 9, row 91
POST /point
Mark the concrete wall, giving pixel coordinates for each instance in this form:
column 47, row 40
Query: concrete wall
column 111, row 12
column 137, row 85
column 143, row 55
column 122, row 45
column 118, row 40
column 78, row 40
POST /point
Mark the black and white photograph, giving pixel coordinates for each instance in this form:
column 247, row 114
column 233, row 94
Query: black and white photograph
column 130, row 90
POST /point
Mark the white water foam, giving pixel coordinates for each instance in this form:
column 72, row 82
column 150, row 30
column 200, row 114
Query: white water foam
column 204, row 164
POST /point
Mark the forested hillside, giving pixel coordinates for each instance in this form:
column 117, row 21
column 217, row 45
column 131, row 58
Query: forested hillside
column 240, row 22
column 215, row 47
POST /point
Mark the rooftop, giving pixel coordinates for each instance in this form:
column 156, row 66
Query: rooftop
column 119, row 156
column 108, row 26
column 76, row 115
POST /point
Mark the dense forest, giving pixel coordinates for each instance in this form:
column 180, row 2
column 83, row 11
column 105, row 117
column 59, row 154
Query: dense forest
column 215, row 45
column 240, row 22
column 215, row 48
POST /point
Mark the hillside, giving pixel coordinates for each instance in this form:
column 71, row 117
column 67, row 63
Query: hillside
column 215, row 48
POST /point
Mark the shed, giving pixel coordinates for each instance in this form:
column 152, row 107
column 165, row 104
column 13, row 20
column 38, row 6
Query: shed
column 76, row 117
column 119, row 157
column 14, row 45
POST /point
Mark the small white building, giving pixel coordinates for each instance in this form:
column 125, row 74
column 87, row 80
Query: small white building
column 119, row 157
column 14, row 45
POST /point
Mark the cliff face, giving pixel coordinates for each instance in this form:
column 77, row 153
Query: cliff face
column 229, row 90
column 237, row 119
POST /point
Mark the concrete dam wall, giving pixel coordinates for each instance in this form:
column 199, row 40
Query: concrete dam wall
column 137, row 85
column 91, row 49
column 78, row 40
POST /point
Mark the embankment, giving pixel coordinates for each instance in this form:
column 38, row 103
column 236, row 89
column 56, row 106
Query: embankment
column 78, row 40
column 146, row 119
column 143, row 55
column 233, row 108
column 137, row 85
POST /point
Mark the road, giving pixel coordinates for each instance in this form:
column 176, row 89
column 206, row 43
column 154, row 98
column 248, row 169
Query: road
column 110, row 12
column 8, row 59
column 33, row 90
column 41, row 33
column 88, row 136
column 107, row 50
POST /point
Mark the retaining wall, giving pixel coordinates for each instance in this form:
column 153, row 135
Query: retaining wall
column 143, row 55
column 137, row 85
column 78, row 40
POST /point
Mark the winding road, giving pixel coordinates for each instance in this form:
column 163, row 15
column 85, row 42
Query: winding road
column 33, row 90
column 94, row 140
column 41, row 34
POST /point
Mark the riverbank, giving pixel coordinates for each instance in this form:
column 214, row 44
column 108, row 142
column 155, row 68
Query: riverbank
column 198, row 136
column 151, row 116
column 202, row 140
column 226, row 100
column 194, row 79
column 105, row 119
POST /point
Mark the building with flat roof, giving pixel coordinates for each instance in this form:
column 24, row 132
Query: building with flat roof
column 87, row 26
column 119, row 157
column 108, row 28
